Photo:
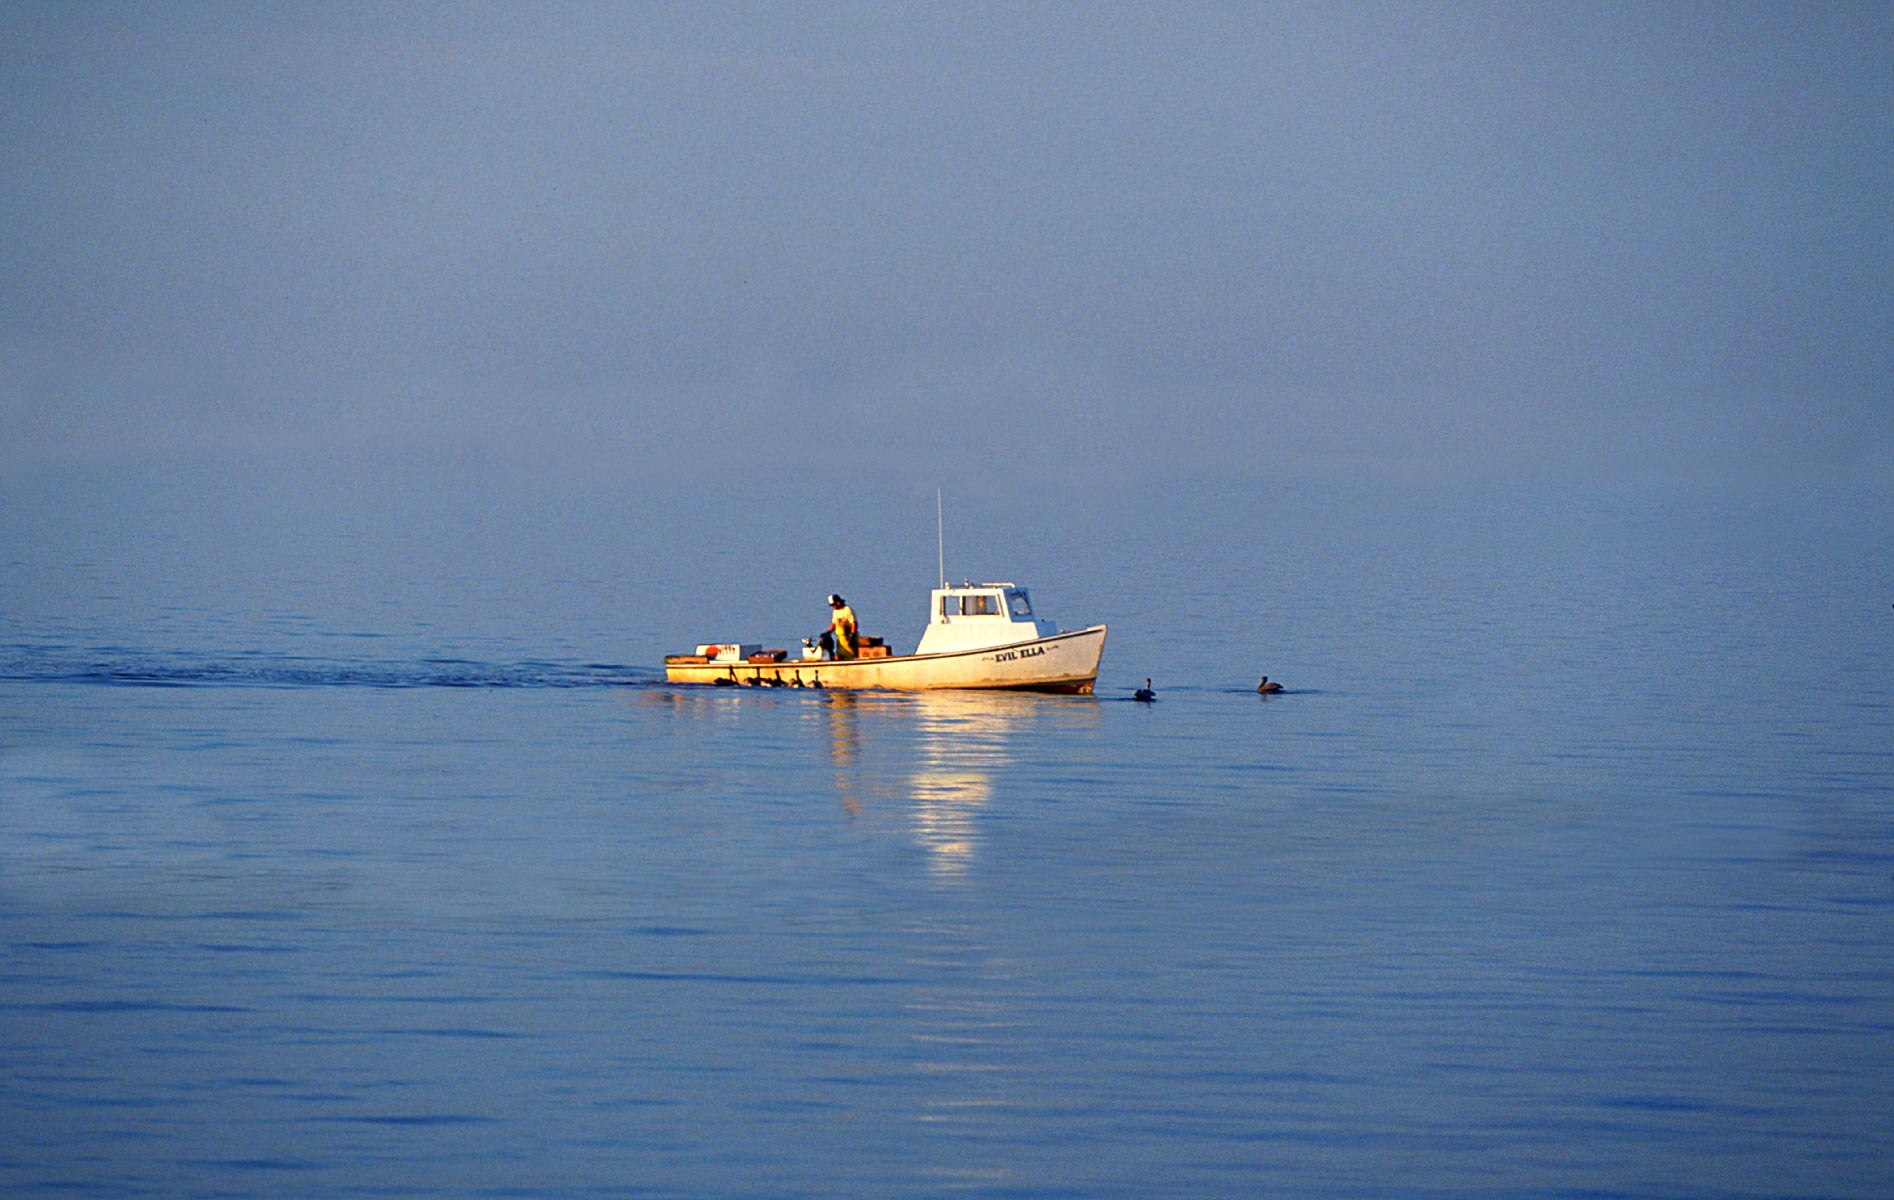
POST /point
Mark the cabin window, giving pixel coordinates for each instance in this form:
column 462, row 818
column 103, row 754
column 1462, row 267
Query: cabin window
column 1018, row 604
column 949, row 606
column 984, row 604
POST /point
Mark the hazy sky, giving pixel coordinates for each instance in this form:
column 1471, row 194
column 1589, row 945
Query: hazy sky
column 1034, row 238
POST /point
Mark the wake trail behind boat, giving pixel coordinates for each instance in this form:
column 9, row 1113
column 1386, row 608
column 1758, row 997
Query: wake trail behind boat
column 113, row 666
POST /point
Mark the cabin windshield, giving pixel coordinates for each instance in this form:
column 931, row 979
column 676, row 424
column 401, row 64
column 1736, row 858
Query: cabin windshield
column 977, row 604
column 1018, row 604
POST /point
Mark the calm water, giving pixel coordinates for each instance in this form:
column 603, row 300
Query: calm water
column 365, row 854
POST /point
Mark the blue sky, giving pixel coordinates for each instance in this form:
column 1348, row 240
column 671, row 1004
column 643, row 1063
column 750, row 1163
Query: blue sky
column 1057, row 241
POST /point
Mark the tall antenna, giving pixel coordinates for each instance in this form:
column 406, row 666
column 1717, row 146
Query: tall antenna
column 940, row 537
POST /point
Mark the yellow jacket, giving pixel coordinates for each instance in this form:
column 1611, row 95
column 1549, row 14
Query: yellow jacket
column 843, row 627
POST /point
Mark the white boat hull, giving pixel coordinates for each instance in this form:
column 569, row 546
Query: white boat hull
column 1064, row 662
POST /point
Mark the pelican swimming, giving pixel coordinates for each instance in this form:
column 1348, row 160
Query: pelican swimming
column 1144, row 693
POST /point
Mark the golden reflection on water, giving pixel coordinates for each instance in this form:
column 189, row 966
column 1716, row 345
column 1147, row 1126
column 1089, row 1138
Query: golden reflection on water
column 952, row 749
column 844, row 749
column 945, row 807
column 934, row 766
column 932, row 761
column 963, row 742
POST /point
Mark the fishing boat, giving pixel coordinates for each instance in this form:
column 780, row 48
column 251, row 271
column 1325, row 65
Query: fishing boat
column 978, row 635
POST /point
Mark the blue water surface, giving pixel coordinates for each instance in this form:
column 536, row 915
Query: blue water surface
column 364, row 852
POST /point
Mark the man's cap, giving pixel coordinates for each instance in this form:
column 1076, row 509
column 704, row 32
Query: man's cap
column 836, row 600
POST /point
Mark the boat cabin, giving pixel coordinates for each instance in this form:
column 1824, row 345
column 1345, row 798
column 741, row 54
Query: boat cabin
column 974, row 616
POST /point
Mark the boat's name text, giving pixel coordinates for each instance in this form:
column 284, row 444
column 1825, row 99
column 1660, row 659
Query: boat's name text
column 1010, row 655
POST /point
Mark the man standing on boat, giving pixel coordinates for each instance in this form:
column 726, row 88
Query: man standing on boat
column 842, row 629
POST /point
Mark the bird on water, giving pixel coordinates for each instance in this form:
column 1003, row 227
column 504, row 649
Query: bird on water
column 1144, row 693
column 1266, row 687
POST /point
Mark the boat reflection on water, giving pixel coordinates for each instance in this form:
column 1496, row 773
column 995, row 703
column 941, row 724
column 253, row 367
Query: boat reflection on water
column 844, row 748
column 945, row 753
column 929, row 764
column 960, row 763
column 964, row 742
column 946, row 808
column 930, row 786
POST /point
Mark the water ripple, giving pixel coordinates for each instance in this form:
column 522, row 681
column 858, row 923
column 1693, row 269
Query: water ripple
column 121, row 667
